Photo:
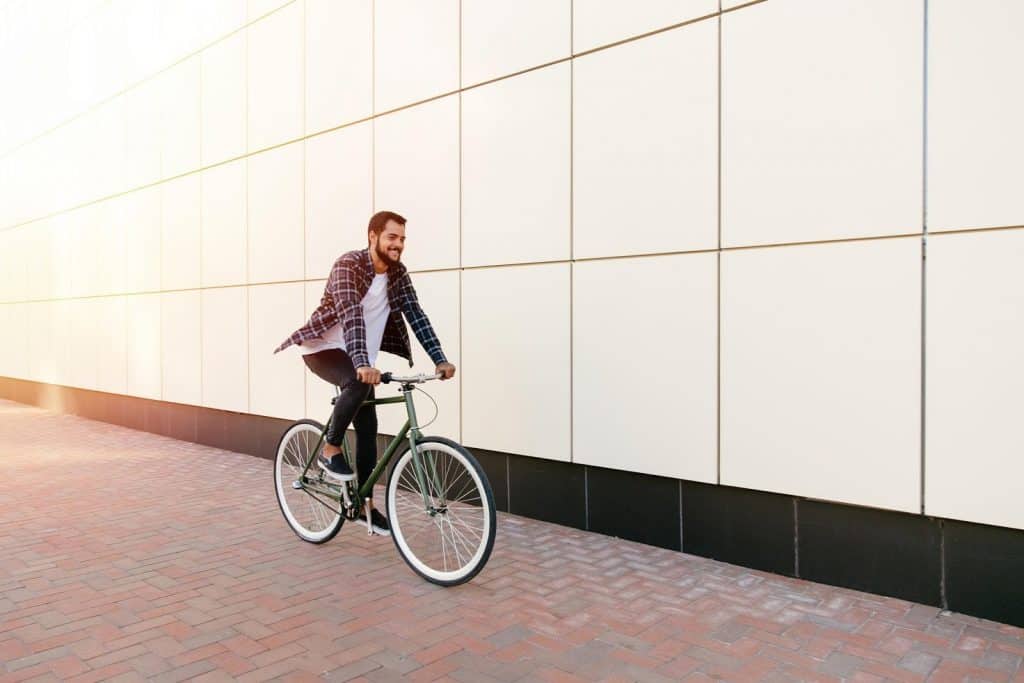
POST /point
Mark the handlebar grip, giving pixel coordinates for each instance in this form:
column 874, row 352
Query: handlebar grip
column 385, row 378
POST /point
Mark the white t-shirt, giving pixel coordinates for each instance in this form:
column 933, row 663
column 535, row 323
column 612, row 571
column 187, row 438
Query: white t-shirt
column 375, row 314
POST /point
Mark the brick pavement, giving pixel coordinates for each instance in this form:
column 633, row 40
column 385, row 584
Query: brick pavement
column 129, row 556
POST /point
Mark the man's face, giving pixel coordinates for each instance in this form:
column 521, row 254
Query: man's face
column 390, row 244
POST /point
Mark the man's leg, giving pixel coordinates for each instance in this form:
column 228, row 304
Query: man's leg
column 334, row 366
column 365, row 423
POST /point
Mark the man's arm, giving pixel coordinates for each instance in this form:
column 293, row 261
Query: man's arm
column 348, row 306
column 420, row 323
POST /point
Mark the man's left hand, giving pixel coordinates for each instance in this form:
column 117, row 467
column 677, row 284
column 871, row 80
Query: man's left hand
column 446, row 370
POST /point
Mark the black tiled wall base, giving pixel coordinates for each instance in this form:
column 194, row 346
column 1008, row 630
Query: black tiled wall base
column 879, row 551
column 964, row 567
column 748, row 528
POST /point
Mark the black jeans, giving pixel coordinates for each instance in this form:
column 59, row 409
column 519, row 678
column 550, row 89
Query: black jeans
column 334, row 366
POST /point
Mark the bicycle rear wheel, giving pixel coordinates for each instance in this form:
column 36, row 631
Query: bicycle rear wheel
column 313, row 517
column 448, row 539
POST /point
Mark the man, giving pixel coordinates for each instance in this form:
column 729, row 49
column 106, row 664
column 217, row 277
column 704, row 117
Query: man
column 360, row 314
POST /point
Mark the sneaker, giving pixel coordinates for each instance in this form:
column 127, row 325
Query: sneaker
column 336, row 467
column 378, row 521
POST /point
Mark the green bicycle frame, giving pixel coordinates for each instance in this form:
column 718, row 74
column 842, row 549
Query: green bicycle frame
column 409, row 430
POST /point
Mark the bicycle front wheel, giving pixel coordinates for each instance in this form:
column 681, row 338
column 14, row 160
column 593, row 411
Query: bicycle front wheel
column 313, row 516
column 441, row 512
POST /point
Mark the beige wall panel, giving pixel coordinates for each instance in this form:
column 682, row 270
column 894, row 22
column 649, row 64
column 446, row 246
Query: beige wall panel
column 143, row 345
column 81, row 252
column 139, row 213
column 275, row 206
column 600, row 22
column 42, row 338
column 88, row 146
column 40, row 261
column 81, row 343
column 821, row 382
column 109, row 242
column 417, row 176
column 224, row 100
column 63, row 229
column 17, row 182
column 13, row 263
column 69, row 177
column 224, row 233
column 8, row 177
column 975, row 106
column 822, row 147
column 318, row 392
column 644, row 366
column 339, row 62
column 423, row 60
column 180, row 233
column 7, row 267
column 181, row 347
column 143, row 133
column 276, row 381
column 645, row 153
column 180, row 29
column 502, row 38
column 275, row 94
column 973, row 464
column 515, row 169
column 60, row 324
column 106, row 166
column 181, row 117
column 217, row 19
column 110, row 325
column 258, row 8
column 14, row 343
column 515, row 353
column 339, row 195
column 140, row 27
column 225, row 348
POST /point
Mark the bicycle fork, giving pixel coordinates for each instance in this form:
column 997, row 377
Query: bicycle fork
column 417, row 461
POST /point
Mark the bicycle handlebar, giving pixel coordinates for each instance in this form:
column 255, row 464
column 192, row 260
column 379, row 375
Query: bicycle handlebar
column 388, row 377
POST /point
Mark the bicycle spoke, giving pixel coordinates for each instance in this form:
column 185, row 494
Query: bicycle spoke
column 465, row 524
column 454, row 540
column 444, row 555
column 469, row 488
column 462, row 474
column 458, row 536
column 469, row 540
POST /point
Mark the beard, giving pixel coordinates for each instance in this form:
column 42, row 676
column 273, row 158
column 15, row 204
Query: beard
column 385, row 257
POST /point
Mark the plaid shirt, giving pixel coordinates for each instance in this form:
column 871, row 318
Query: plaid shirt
column 342, row 302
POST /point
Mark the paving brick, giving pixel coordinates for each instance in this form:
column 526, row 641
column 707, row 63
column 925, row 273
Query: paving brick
column 210, row 584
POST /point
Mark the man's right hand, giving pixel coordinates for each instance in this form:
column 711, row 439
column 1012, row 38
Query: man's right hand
column 368, row 375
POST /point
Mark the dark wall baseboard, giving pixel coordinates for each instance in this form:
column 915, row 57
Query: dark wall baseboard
column 970, row 568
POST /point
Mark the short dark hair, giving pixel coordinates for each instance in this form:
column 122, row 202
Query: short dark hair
column 380, row 219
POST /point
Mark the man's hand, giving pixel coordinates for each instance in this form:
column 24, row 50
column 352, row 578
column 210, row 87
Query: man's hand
column 368, row 375
column 446, row 370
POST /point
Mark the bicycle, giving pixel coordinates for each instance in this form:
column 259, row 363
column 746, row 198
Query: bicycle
column 438, row 499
